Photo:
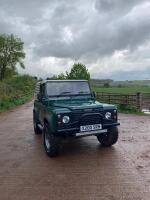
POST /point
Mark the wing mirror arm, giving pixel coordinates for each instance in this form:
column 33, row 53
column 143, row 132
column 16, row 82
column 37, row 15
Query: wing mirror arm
column 94, row 95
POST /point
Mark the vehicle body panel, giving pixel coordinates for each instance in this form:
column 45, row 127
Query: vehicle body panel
column 80, row 109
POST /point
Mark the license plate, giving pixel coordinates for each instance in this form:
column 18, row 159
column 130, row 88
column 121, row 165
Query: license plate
column 90, row 127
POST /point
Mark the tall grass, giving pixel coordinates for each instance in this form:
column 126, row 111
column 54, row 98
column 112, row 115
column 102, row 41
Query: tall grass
column 15, row 91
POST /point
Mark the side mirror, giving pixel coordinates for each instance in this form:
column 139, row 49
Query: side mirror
column 94, row 94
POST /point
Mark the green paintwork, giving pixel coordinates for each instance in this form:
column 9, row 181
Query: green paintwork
column 48, row 109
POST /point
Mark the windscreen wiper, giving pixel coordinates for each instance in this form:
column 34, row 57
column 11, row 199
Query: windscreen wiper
column 64, row 93
column 82, row 92
column 61, row 94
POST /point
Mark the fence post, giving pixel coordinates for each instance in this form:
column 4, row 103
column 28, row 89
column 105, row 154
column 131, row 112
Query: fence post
column 109, row 98
column 139, row 101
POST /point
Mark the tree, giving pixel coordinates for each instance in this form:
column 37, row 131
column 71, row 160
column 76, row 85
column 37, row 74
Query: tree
column 78, row 71
column 11, row 54
column 61, row 76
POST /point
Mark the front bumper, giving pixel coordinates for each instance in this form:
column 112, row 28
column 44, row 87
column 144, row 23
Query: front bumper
column 85, row 134
column 76, row 131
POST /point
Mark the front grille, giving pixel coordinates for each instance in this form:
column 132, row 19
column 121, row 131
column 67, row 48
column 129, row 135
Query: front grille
column 90, row 119
column 81, row 119
column 76, row 116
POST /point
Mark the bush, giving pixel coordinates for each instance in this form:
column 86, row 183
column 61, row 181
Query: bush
column 16, row 90
column 106, row 85
column 127, row 108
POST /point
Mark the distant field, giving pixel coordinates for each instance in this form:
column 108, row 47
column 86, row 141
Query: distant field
column 123, row 90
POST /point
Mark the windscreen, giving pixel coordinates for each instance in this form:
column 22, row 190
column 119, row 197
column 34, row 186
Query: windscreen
column 61, row 88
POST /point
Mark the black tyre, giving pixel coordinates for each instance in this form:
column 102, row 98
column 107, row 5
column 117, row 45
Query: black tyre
column 37, row 130
column 109, row 138
column 51, row 142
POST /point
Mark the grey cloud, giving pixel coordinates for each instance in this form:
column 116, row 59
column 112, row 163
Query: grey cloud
column 94, row 35
column 132, row 75
column 116, row 6
column 77, row 30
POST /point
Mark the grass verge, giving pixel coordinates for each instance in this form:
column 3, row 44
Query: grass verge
column 16, row 91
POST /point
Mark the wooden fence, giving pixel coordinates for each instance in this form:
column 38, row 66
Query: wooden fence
column 145, row 101
column 138, row 101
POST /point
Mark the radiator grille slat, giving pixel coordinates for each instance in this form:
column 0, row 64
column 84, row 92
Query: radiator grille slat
column 90, row 119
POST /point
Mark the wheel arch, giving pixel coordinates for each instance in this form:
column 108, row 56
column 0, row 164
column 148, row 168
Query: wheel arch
column 48, row 120
column 35, row 114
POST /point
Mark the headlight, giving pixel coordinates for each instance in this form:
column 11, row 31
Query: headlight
column 65, row 119
column 108, row 115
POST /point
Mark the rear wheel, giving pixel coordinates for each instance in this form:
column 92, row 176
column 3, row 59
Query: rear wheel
column 109, row 138
column 51, row 142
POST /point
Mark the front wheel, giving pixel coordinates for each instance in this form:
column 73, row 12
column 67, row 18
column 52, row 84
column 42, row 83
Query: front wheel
column 109, row 138
column 51, row 142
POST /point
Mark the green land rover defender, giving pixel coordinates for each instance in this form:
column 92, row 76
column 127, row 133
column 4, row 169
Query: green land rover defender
column 68, row 108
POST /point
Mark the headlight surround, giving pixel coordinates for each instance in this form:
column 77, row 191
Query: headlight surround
column 108, row 115
column 115, row 115
column 65, row 119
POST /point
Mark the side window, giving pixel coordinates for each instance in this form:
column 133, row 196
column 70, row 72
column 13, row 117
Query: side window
column 42, row 90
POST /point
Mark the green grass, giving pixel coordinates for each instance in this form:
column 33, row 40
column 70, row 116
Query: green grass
column 122, row 90
column 16, row 91
column 128, row 110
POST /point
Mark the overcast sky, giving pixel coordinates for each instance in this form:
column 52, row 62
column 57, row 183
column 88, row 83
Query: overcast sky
column 111, row 37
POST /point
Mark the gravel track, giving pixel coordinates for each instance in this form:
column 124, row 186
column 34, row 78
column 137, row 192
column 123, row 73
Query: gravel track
column 83, row 171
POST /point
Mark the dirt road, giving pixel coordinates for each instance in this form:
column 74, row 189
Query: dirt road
column 83, row 171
